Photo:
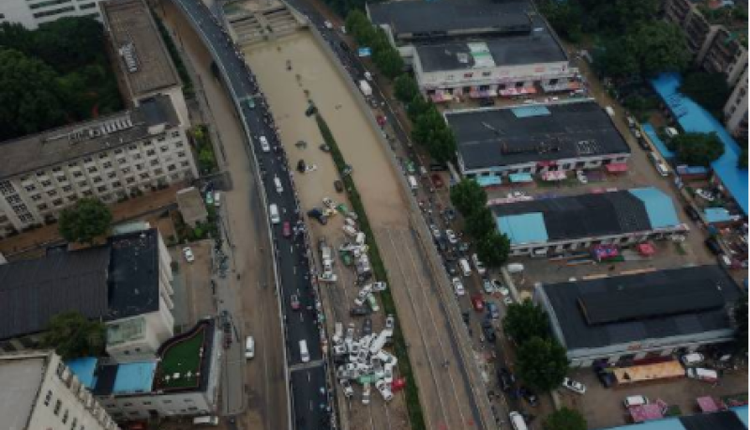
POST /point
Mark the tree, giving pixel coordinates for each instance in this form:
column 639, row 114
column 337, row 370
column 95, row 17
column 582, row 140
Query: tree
column 418, row 106
column 565, row 419
column 565, row 17
column 468, row 197
column 616, row 58
column 524, row 321
column 659, row 46
column 67, row 43
column 85, row 221
column 406, row 88
column 742, row 161
column 740, row 321
column 542, row 363
column 493, row 248
column 389, row 61
column 72, row 335
column 30, row 100
column 480, row 223
column 710, row 90
column 697, row 149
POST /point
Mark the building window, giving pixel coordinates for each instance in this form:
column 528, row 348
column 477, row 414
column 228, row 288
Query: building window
column 137, row 156
column 150, row 152
column 88, row 160
column 171, row 167
column 101, row 189
column 6, row 188
column 97, row 179
column 67, row 189
column 118, row 151
column 164, row 148
column 36, row 197
column 58, row 405
column 88, row 193
column 61, row 179
column 129, row 180
column 154, row 162
column 30, row 188
column 184, row 164
column 116, row 184
column 111, row 175
column 42, row 207
column 178, row 145
column 127, row 404
column 132, row 147
column 107, row 164
column 57, row 202
column 77, row 174
column 175, row 134
column 52, row 193
column 48, row 398
column 73, row 424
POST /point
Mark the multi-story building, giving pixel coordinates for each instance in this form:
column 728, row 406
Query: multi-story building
column 126, row 283
column 144, row 63
column 40, row 392
column 32, row 13
column 725, row 54
column 476, row 50
column 735, row 110
column 182, row 379
column 536, row 139
column 109, row 158
column 624, row 320
column 573, row 224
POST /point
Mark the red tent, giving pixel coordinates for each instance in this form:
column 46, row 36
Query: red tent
column 646, row 249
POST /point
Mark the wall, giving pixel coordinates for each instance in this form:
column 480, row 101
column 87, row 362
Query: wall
column 565, row 164
column 735, row 110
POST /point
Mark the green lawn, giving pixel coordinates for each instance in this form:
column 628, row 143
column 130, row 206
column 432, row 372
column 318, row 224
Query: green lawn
column 182, row 357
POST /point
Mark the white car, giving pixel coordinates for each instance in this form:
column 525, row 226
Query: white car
column 347, row 387
column 361, row 297
column 388, row 373
column 390, row 323
column 458, row 287
column 478, row 264
column 328, row 24
column 379, row 286
column 582, row 177
column 249, row 347
column 366, row 389
column 435, row 231
column 706, row 195
column 264, row 144
column 508, row 300
column 451, row 235
column 487, row 286
column 692, row 359
column 188, row 253
column 574, row 386
column 384, row 390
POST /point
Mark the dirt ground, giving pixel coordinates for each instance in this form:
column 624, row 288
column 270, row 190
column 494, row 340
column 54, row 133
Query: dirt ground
column 192, row 285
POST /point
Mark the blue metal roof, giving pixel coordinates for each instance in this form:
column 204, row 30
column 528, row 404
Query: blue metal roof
column 659, row 207
column 84, row 368
column 488, row 181
column 134, row 377
column 675, row 422
column 660, row 145
column 693, row 118
column 530, row 111
column 520, row 177
column 717, row 215
column 525, row 228
column 741, row 412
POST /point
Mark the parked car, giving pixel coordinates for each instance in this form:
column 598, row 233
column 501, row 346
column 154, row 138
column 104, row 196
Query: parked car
column 606, row 377
column 529, row 396
column 338, row 186
column 384, row 390
column 188, row 253
column 713, row 246
column 366, row 390
column 346, row 386
column 458, row 287
column 488, row 330
column 477, row 302
column 286, row 229
column 702, row 374
column 487, row 286
column 437, row 181
column 582, row 178
column 574, row 386
column 451, row 235
column 367, row 326
column 508, row 300
column 637, row 400
column 505, row 379
column 705, row 194
column 249, row 347
column 692, row 213
column 478, row 265
column 493, row 310
column 359, row 311
column 317, row 214
column 692, row 359
column 294, row 302
column 435, row 231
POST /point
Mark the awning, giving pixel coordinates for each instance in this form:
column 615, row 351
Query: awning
column 489, row 181
column 547, row 163
column 555, row 175
column 476, row 93
column 520, row 177
column 604, row 252
column 616, row 167
column 643, row 413
column 441, row 97
column 517, row 91
column 707, row 404
column 646, row 249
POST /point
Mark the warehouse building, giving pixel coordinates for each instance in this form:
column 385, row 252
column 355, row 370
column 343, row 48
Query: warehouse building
column 109, row 158
column 478, row 49
column 541, row 227
column 621, row 320
column 536, row 139
column 126, row 283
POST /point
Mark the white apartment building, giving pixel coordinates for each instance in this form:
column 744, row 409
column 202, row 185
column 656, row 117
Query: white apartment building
column 735, row 110
column 110, row 158
column 32, row 13
column 40, row 392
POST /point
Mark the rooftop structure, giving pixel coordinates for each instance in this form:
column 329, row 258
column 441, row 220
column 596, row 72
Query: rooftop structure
column 52, row 147
column 108, row 282
column 506, row 140
column 653, row 311
column 144, row 60
column 733, row 419
column 693, row 118
column 21, row 380
column 192, row 207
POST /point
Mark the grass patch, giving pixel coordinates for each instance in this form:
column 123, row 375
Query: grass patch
column 413, row 406
column 183, row 358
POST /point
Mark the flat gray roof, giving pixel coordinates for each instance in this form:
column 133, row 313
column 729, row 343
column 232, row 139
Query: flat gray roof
column 20, row 379
column 532, row 133
column 52, row 147
column 130, row 22
column 657, row 291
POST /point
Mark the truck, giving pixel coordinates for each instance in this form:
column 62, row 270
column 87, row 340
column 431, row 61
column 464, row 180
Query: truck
column 365, row 87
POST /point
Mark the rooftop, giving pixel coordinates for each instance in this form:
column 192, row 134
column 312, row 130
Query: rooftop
column 182, row 359
column 111, row 282
column 126, row 331
column 641, row 307
column 192, row 206
column 587, row 215
column 488, row 138
column 693, row 118
column 21, row 380
column 50, row 148
column 144, row 59
column 734, row 419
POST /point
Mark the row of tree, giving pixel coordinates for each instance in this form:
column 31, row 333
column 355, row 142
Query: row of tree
column 471, row 200
column 384, row 55
column 54, row 75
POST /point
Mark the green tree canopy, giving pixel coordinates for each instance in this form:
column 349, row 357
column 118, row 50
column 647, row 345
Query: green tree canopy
column 493, row 248
column 480, row 223
column 406, row 88
column 740, row 320
column 697, row 149
column 468, row 197
column 73, row 336
column 565, row 419
column 542, row 363
column 524, row 321
column 566, row 17
column 85, row 221
column 616, row 17
column 659, row 46
column 710, row 90
column 616, row 58
column 418, row 106
column 68, row 43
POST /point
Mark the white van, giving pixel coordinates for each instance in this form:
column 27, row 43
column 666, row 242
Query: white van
column 208, row 420
column 217, row 199
column 517, row 421
column 465, row 267
column 264, row 144
column 660, row 166
column 249, row 347
column 703, row 374
column 638, row 400
column 412, row 182
column 304, row 354
column 671, row 132
column 277, row 184
column 273, row 213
